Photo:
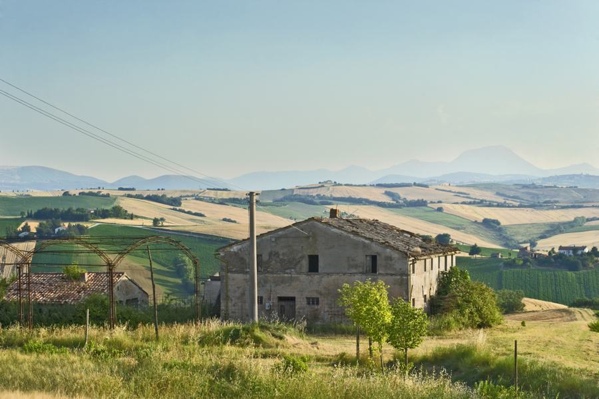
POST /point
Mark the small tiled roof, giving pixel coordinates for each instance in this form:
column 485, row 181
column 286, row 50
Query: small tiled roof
column 377, row 232
column 572, row 247
column 58, row 288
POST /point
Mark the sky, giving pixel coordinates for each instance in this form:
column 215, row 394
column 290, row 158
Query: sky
column 224, row 88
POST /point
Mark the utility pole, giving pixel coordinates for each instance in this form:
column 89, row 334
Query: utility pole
column 253, row 275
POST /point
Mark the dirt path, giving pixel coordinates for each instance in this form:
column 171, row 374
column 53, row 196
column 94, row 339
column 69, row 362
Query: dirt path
column 537, row 310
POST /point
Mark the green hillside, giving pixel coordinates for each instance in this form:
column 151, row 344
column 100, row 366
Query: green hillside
column 13, row 206
column 9, row 224
column 553, row 285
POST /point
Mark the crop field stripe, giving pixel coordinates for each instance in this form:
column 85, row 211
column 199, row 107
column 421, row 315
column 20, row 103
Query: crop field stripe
column 559, row 286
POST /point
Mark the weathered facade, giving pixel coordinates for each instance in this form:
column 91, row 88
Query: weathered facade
column 58, row 288
column 301, row 267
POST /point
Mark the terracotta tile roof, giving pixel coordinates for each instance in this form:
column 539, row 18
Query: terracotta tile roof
column 375, row 231
column 58, row 288
column 388, row 235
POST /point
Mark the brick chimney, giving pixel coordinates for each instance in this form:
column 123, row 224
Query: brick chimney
column 335, row 213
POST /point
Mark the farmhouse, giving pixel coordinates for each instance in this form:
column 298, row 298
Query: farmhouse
column 58, row 288
column 571, row 250
column 302, row 266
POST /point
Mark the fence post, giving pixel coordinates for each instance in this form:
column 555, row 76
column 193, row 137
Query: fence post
column 516, row 366
column 86, row 327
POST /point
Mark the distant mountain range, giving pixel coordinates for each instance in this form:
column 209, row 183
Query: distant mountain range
column 489, row 164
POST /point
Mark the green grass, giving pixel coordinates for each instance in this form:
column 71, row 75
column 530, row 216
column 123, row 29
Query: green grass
column 295, row 210
column 9, row 224
column 506, row 253
column 222, row 360
column 478, row 367
column 527, row 231
column 581, row 229
column 13, row 206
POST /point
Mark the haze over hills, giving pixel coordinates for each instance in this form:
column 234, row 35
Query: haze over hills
column 488, row 164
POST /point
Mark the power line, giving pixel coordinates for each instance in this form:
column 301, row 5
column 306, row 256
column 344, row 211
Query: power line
column 102, row 130
column 85, row 132
column 104, row 140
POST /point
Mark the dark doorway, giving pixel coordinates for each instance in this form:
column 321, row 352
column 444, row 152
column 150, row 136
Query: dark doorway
column 286, row 306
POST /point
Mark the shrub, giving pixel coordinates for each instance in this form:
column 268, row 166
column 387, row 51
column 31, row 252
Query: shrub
column 291, row 365
column 594, row 326
column 510, row 301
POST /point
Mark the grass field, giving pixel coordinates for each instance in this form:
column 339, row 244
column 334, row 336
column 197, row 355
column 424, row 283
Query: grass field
column 294, row 210
column 218, row 360
column 589, row 238
column 509, row 216
column 9, row 224
column 13, row 206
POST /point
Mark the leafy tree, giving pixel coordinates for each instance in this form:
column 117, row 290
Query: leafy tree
column 73, row 272
column 408, row 326
column 493, row 223
column 184, row 269
column 474, row 250
column 367, row 305
column 466, row 303
column 443, row 239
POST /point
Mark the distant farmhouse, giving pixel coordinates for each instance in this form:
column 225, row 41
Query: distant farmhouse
column 302, row 266
column 571, row 250
column 58, row 288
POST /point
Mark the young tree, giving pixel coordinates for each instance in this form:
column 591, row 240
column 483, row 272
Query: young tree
column 367, row 305
column 407, row 328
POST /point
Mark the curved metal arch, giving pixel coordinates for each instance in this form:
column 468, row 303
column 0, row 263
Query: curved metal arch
column 24, row 259
column 175, row 243
column 74, row 240
column 152, row 240
column 25, row 256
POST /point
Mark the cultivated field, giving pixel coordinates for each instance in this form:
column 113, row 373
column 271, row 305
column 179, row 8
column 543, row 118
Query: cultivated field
column 211, row 224
column 412, row 224
column 509, row 216
column 588, row 238
column 431, row 194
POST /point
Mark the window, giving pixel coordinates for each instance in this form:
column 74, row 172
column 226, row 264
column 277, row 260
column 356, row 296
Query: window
column 371, row 264
column 425, row 299
column 425, row 265
column 312, row 263
column 260, row 300
column 413, row 302
column 259, row 262
column 312, row 301
column 414, row 267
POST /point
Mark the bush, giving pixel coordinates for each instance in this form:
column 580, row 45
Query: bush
column 594, row 326
column 510, row 301
column 291, row 365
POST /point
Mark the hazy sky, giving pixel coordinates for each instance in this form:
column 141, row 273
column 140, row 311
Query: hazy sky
column 229, row 87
